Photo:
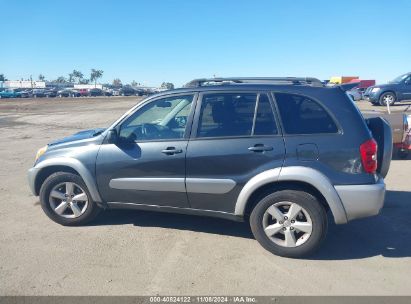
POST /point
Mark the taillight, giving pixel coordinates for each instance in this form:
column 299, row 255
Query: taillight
column 368, row 152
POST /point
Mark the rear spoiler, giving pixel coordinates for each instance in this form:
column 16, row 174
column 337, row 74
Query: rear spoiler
column 348, row 86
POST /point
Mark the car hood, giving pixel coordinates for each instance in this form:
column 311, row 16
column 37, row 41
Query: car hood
column 78, row 136
column 385, row 85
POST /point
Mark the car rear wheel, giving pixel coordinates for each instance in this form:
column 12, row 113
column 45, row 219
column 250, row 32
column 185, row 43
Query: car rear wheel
column 66, row 200
column 289, row 223
column 387, row 98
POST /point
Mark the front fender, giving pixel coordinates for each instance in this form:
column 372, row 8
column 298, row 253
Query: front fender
column 74, row 164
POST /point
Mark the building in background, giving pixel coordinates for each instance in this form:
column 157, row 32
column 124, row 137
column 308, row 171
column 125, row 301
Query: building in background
column 24, row 84
column 88, row 86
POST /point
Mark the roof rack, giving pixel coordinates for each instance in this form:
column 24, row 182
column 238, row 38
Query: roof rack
column 271, row 80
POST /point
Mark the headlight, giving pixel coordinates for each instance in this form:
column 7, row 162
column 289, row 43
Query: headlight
column 374, row 90
column 40, row 152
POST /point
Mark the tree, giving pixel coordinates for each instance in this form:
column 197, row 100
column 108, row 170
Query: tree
column 71, row 76
column 95, row 74
column 41, row 77
column 117, row 82
column 167, row 85
column 77, row 75
column 135, row 83
column 2, row 77
column 84, row 81
column 60, row 79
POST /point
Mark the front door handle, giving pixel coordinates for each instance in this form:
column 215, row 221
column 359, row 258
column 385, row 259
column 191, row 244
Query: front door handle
column 171, row 151
column 260, row 148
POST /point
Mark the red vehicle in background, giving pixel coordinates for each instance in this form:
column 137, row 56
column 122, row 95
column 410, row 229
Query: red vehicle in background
column 83, row 92
column 364, row 84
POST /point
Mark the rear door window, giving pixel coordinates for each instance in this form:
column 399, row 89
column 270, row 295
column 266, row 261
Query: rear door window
column 235, row 114
column 303, row 115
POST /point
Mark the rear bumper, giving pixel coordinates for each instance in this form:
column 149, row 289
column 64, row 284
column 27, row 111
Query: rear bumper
column 362, row 200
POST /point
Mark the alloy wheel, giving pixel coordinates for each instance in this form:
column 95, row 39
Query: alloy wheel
column 388, row 99
column 68, row 200
column 287, row 224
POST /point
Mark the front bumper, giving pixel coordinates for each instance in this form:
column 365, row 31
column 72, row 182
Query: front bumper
column 31, row 176
column 371, row 97
column 362, row 200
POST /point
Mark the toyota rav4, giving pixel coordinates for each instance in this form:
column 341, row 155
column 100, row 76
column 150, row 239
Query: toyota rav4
column 280, row 153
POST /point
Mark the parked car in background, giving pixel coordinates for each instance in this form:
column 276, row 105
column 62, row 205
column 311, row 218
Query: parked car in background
column 355, row 94
column 36, row 93
column 50, row 93
column 68, row 93
column 24, row 93
column 127, row 91
column 95, row 92
column 142, row 91
column 10, row 93
column 83, row 92
column 396, row 90
column 108, row 92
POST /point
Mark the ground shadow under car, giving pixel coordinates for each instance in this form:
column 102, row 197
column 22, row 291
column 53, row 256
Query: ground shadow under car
column 388, row 234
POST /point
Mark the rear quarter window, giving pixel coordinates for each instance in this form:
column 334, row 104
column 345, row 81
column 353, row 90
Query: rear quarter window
column 303, row 115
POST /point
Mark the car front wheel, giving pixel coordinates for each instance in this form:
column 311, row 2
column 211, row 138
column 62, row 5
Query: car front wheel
column 289, row 223
column 387, row 98
column 66, row 200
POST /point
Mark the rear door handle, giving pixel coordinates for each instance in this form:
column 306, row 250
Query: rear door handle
column 260, row 148
column 171, row 151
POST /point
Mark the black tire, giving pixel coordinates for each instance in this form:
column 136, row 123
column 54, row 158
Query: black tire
column 385, row 95
column 311, row 205
column 89, row 214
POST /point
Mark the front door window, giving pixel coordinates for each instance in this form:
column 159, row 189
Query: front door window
column 162, row 119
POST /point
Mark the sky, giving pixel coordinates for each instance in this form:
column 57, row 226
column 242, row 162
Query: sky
column 152, row 41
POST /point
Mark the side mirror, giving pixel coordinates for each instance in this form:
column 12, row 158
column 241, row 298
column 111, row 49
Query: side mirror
column 112, row 137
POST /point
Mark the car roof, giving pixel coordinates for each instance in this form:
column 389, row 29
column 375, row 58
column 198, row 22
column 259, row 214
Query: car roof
column 249, row 87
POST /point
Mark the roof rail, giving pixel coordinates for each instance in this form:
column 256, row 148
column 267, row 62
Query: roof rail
column 273, row 80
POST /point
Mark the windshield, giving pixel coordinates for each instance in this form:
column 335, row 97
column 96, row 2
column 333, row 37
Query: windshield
column 399, row 78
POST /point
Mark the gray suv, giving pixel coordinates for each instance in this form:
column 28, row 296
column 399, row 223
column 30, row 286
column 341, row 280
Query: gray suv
column 278, row 152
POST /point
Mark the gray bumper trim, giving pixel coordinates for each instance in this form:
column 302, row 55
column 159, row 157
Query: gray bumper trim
column 31, row 176
column 362, row 200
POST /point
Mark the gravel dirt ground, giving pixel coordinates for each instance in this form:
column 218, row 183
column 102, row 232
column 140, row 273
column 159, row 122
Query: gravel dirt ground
column 146, row 253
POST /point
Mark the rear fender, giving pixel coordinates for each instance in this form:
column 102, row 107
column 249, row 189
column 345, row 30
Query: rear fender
column 296, row 174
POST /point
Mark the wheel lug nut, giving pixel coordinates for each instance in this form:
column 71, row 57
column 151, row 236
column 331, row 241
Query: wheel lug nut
column 280, row 222
column 291, row 228
column 285, row 218
column 292, row 221
column 284, row 229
